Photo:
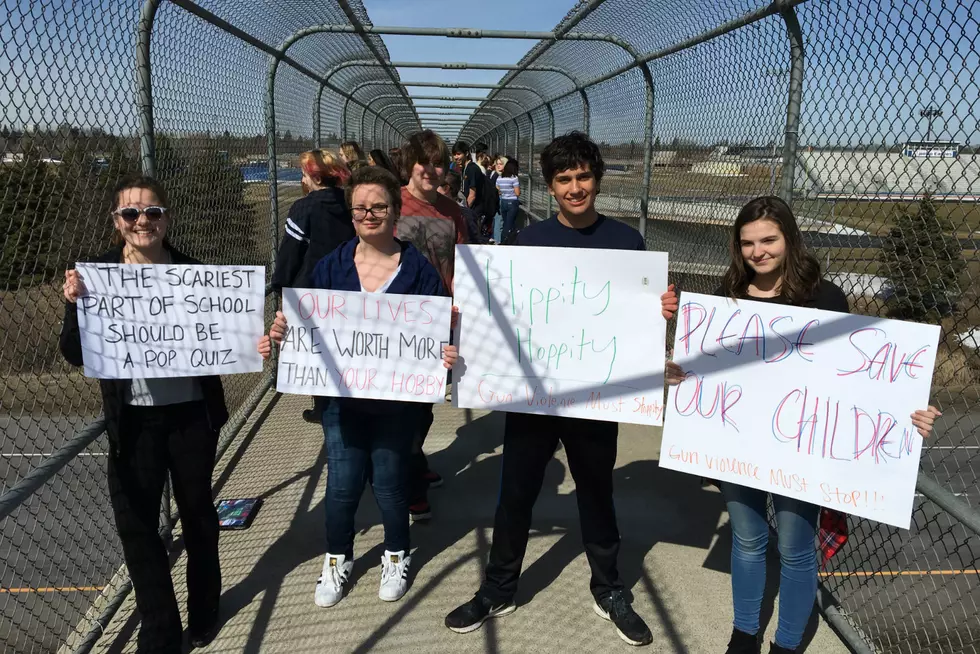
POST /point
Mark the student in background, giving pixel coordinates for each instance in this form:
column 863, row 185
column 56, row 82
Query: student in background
column 379, row 158
column 473, row 177
column 769, row 263
column 352, row 155
column 434, row 224
column 369, row 438
column 509, row 187
column 395, row 154
column 316, row 225
column 450, row 188
column 157, row 428
column 572, row 166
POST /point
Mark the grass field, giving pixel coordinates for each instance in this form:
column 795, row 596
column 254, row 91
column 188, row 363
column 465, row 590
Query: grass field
column 876, row 217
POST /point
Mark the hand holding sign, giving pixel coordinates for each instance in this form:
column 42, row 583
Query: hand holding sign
column 74, row 286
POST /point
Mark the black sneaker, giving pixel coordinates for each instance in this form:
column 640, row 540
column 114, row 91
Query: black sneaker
column 631, row 627
column 312, row 416
column 471, row 616
column 204, row 637
column 776, row 649
column 743, row 643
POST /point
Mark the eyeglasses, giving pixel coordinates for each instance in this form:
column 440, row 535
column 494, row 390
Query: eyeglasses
column 132, row 214
column 377, row 211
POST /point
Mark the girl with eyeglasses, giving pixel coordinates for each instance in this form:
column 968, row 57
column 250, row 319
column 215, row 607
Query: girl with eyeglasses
column 156, row 428
column 369, row 439
column 770, row 264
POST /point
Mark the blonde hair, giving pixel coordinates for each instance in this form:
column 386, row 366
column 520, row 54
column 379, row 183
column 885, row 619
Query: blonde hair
column 326, row 166
column 352, row 151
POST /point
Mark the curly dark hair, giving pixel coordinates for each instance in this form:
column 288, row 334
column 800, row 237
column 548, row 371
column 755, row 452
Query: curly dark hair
column 801, row 271
column 383, row 178
column 571, row 151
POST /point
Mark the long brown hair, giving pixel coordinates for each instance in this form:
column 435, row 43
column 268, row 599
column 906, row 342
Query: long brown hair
column 800, row 271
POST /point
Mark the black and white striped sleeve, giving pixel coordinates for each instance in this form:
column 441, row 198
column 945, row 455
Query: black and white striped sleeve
column 294, row 229
column 293, row 248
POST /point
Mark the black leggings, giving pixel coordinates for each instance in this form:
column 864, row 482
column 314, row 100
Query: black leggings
column 153, row 442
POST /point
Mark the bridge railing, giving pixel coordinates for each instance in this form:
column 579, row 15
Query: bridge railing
column 698, row 106
column 859, row 113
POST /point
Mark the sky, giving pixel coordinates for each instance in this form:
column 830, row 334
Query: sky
column 523, row 15
column 871, row 65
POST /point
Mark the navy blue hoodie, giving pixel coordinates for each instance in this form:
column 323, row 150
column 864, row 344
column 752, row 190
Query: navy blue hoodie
column 337, row 272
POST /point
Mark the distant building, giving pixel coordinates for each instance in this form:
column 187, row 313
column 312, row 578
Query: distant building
column 890, row 175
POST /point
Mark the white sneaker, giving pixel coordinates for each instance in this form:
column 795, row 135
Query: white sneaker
column 394, row 576
column 330, row 585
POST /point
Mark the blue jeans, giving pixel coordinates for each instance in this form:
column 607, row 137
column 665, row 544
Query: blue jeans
column 796, row 530
column 508, row 214
column 498, row 223
column 356, row 442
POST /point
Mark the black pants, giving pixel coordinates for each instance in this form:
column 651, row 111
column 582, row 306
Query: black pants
column 418, row 487
column 529, row 443
column 154, row 441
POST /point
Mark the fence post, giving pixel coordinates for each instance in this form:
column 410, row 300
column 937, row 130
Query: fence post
column 793, row 108
column 586, row 111
column 317, row 118
column 647, row 150
column 343, row 120
column 551, row 118
column 148, row 153
column 530, row 166
column 273, row 159
column 360, row 136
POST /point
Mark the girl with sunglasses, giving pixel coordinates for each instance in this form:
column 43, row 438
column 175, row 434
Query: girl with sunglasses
column 770, row 264
column 156, row 428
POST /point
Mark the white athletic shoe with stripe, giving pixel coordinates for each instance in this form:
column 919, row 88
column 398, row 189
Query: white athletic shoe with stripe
column 333, row 577
column 394, row 576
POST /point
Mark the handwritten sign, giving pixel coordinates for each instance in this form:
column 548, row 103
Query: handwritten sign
column 561, row 331
column 800, row 402
column 380, row 346
column 145, row 321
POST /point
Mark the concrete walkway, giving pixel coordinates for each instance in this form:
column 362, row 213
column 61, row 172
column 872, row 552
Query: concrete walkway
column 674, row 557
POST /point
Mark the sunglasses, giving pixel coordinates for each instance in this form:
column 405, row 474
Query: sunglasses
column 132, row 214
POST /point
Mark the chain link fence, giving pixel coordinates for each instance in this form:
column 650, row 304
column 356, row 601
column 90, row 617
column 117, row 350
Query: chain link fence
column 689, row 101
column 885, row 180
column 70, row 128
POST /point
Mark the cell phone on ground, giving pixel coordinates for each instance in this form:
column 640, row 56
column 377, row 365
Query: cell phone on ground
column 237, row 513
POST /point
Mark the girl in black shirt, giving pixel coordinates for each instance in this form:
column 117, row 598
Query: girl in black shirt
column 157, row 428
column 770, row 264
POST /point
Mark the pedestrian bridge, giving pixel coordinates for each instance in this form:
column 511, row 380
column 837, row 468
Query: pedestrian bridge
column 699, row 106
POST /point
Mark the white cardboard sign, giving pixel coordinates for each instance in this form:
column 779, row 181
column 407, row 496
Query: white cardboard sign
column 561, row 331
column 369, row 345
column 800, row 402
column 146, row 321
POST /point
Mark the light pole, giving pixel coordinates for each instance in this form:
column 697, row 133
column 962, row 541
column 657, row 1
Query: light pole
column 930, row 113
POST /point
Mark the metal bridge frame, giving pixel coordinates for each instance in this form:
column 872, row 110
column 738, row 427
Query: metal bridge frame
column 404, row 117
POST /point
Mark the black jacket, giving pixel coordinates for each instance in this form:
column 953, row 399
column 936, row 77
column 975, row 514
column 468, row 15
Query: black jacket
column 317, row 224
column 113, row 390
